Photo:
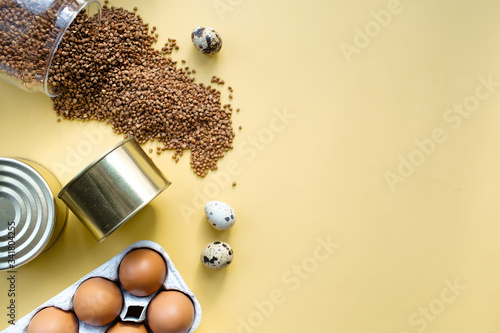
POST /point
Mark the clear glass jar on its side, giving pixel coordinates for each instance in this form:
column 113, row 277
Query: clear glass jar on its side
column 30, row 32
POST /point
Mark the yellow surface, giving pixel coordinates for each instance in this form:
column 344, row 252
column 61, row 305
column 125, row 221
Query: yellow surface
column 331, row 118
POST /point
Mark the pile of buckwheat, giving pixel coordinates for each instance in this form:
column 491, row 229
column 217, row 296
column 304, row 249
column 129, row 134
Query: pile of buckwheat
column 119, row 77
column 26, row 34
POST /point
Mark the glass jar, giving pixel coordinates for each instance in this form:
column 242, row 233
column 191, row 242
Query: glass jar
column 30, row 32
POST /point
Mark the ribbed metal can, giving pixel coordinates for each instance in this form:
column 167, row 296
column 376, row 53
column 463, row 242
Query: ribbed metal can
column 31, row 216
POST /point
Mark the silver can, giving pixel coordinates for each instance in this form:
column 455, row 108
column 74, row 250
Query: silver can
column 113, row 188
column 31, row 216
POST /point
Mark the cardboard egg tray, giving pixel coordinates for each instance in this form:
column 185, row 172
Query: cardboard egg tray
column 134, row 307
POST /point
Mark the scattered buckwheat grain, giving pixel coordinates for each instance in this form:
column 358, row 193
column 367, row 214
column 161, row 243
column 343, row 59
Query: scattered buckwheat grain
column 118, row 77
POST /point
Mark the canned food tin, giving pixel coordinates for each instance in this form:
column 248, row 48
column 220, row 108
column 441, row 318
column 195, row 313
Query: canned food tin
column 113, row 188
column 31, row 216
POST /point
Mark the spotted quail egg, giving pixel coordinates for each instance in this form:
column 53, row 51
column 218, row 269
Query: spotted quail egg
column 206, row 40
column 217, row 255
column 220, row 215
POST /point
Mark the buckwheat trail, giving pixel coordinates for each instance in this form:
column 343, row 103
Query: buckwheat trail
column 113, row 73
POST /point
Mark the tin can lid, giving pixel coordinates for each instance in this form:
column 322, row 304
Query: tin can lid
column 27, row 213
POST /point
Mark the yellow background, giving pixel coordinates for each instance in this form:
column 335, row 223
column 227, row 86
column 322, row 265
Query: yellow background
column 416, row 248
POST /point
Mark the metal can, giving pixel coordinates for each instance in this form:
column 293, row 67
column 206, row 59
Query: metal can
column 31, row 216
column 113, row 188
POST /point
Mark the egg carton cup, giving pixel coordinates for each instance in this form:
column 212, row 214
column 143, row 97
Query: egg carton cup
column 134, row 307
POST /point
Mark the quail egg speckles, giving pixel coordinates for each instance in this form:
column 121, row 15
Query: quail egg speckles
column 206, row 40
column 217, row 255
column 220, row 215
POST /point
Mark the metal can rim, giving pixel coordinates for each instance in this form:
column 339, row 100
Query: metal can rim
column 53, row 218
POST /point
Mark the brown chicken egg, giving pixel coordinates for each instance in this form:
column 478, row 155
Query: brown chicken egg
column 142, row 272
column 170, row 312
column 127, row 327
column 97, row 301
column 53, row 320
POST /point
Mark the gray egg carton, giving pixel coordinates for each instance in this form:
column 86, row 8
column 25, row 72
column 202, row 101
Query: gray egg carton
column 134, row 307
